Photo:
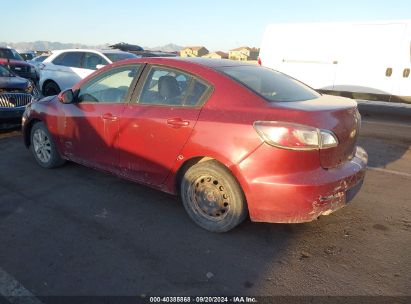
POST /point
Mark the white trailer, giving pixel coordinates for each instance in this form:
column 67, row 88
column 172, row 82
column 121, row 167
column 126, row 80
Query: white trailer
column 372, row 58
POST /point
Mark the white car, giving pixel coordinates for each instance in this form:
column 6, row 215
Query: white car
column 64, row 68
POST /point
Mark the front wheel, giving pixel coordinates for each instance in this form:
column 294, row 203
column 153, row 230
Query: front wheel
column 43, row 148
column 212, row 197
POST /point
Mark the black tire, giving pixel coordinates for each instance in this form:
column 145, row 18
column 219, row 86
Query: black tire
column 212, row 197
column 51, row 88
column 43, row 147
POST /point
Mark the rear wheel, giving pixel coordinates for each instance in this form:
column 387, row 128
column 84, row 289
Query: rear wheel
column 51, row 88
column 43, row 148
column 212, row 197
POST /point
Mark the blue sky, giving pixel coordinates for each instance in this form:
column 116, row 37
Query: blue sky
column 218, row 25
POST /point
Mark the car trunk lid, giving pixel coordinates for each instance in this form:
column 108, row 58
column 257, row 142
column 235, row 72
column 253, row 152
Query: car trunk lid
column 346, row 129
column 336, row 114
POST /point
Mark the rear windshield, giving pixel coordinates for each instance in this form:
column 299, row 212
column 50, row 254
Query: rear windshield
column 119, row 56
column 271, row 85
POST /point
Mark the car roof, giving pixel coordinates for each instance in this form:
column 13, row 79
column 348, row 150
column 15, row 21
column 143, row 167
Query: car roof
column 211, row 63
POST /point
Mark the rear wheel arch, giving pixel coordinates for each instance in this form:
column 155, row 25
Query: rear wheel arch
column 211, row 194
column 184, row 167
column 195, row 160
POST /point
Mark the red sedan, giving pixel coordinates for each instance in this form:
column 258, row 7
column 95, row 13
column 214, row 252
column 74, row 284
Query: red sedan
column 232, row 139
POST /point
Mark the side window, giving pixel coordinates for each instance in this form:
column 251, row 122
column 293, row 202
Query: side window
column 70, row 59
column 196, row 93
column 109, row 87
column 165, row 86
column 91, row 61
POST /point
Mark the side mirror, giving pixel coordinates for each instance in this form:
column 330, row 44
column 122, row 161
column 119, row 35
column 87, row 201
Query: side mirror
column 66, row 96
column 99, row 66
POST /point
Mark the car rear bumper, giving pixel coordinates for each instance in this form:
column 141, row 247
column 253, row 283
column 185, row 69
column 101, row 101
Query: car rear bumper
column 304, row 196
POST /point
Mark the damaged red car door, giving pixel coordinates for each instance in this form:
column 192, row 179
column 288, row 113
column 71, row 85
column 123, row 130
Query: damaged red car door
column 92, row 122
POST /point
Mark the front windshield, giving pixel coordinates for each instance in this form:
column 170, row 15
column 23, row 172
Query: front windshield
column 114, row 57
column 10, row 54
column 5, row 72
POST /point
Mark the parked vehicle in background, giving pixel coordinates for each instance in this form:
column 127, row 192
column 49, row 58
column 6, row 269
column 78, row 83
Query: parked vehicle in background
column 38, row 60
column 140, row 52
column 15, row 93
column 27, row 55
column 64, row 68
column 365, row 60
column 15, row 63
column 231, row 138
column 127, row 47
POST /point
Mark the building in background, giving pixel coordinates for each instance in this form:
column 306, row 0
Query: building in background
column 244, row 53
column 193, row 51
column 217, row 55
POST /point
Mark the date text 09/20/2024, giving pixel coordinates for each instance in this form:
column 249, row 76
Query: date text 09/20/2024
column 202, row 300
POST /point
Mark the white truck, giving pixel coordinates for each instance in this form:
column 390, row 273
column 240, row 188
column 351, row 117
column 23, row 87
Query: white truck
column 367, row 60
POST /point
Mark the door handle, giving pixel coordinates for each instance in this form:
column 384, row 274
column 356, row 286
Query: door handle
column 388, row 72
column 177, row 122
column 406, row 73
column 109, row 116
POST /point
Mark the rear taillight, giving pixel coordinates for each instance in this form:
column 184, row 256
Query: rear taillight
column 295, row 136
column 259, row 61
